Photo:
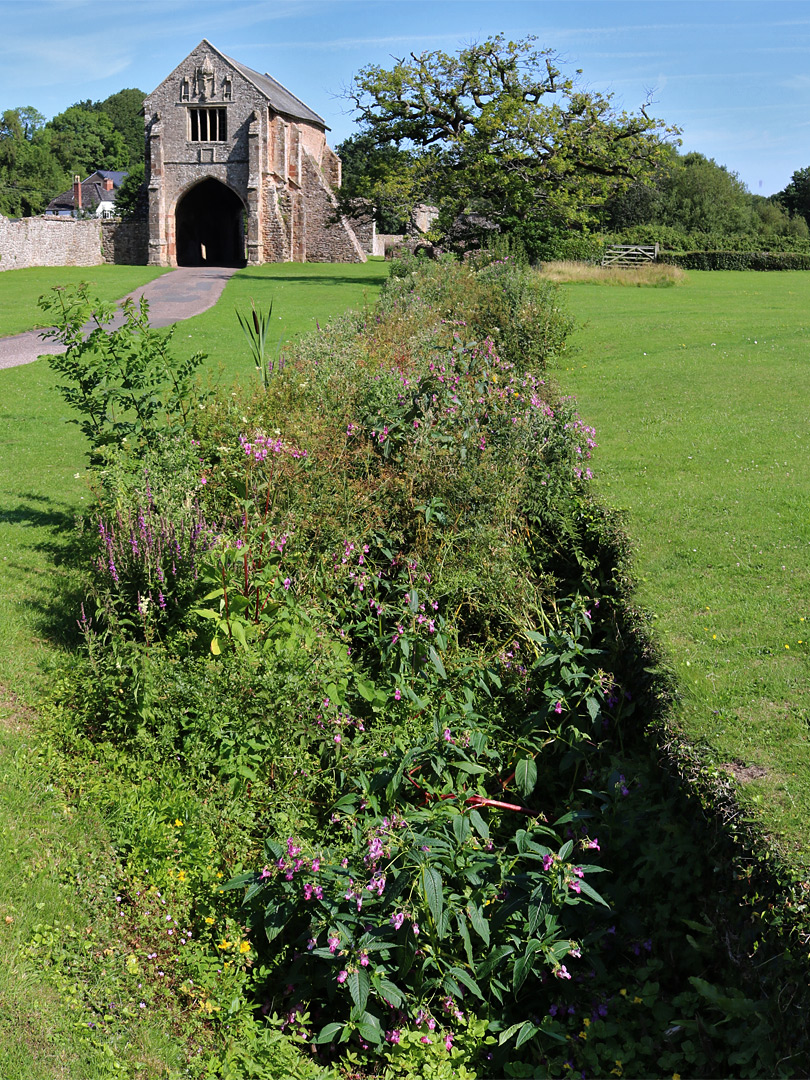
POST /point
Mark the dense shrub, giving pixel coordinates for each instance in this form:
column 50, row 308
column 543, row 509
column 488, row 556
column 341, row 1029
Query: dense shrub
column 738, row 260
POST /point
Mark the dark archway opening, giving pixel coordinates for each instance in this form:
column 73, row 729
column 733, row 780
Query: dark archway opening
column 210, row 229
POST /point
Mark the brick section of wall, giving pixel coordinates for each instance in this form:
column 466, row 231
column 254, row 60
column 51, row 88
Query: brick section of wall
column 125, row 243
column 41, row 241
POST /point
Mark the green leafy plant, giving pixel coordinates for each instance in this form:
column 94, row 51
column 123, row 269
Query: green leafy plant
column 124, row 382
column 255, row 330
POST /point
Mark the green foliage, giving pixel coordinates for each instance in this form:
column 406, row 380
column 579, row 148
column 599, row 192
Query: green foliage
column 499, row 132
column 377, row 180
column 131, row 200
column 796, row 196
column 691, row 202
column 83, row 140
column 123, row 382
column 125, row 110
column 255, row 330
column 30, row 173
column 738, row 260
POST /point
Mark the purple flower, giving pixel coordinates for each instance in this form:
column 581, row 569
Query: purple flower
column 558, row 708
column 333, row 944
column 392, row 1036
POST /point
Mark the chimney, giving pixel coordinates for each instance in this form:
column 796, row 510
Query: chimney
column 108, row 184
column 77, row 193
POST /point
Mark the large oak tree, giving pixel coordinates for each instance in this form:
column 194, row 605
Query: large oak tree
column 500, row 134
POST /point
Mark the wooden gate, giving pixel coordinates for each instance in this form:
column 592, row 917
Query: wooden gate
column 630, row 254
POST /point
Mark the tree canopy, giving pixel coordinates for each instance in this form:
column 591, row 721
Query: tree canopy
column 499, row 132
column 38, row 160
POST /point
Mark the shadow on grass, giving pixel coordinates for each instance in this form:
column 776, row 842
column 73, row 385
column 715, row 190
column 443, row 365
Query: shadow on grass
column 314, row 279
column 65, row 549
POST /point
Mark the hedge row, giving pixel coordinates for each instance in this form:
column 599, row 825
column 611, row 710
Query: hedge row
column 737, row 260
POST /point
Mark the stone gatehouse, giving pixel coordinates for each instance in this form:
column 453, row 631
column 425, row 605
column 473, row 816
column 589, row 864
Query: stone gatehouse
column 238, row 170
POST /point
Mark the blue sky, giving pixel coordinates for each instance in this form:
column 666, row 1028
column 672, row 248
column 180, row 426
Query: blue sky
column 733, row 74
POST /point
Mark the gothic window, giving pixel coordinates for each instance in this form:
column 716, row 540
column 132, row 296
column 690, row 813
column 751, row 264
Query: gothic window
column 227, row 89
column 185, row 90
column 207, row 125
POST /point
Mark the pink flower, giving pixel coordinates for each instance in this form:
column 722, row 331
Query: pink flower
column 397, row 694
column 342, row 976
column 333, row 944
column 562, row 972
column 448, row 1040
column 398, row 919
column 548, row 862
column 558, row 708
column 392, row 1036
column 426, row 1040
column 363, row 959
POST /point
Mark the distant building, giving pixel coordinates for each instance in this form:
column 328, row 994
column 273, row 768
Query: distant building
column 93, row 197
column 238, row 170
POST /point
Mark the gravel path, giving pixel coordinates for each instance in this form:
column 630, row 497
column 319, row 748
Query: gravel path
column 172, row 297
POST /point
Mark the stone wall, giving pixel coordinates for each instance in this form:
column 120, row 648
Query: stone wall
column 125, row 243
column 40, row 241
column 326, row 240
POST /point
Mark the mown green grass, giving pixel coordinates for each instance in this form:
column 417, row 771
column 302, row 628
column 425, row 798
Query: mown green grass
column 20, row 289
column 304, row 295
column 700, row 400
column 42, row 488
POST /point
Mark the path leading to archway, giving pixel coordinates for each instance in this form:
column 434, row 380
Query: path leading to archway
column 179, row 295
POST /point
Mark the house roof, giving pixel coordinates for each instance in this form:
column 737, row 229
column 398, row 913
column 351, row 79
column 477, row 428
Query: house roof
column 93, row 192
column 281, row 99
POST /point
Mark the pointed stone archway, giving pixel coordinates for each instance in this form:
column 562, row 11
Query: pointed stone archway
column 209, row 222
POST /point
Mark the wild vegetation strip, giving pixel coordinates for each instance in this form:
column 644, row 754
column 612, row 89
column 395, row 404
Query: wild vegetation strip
column 43, row 485
column 360, row 642
column 699, row 395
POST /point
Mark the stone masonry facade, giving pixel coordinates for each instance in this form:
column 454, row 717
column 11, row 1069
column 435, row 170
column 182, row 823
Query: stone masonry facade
column 40, row 241
column 239, row 170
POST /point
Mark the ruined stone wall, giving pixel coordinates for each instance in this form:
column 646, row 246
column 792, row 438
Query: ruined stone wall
column 327, row 240
column 41, row 241
column 365, row 229
column 125, row 243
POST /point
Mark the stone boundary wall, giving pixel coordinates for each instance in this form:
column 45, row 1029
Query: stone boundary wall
column 41, row 241
column 125, row 243
column 386, row 242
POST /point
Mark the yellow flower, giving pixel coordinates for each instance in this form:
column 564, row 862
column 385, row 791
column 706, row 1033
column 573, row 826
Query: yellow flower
column 224, row 944
column 623, row 993
column 209, row 919
column 177, row 823
column 244, row 946
column 637, row 1001
column 181, row 875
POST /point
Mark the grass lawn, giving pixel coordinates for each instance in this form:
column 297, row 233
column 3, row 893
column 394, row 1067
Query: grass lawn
column 303, row 295
column 20, row 289
column 40, row 494
column 699, row 395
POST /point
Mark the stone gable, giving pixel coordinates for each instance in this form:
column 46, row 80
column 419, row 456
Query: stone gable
column 239, row 170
